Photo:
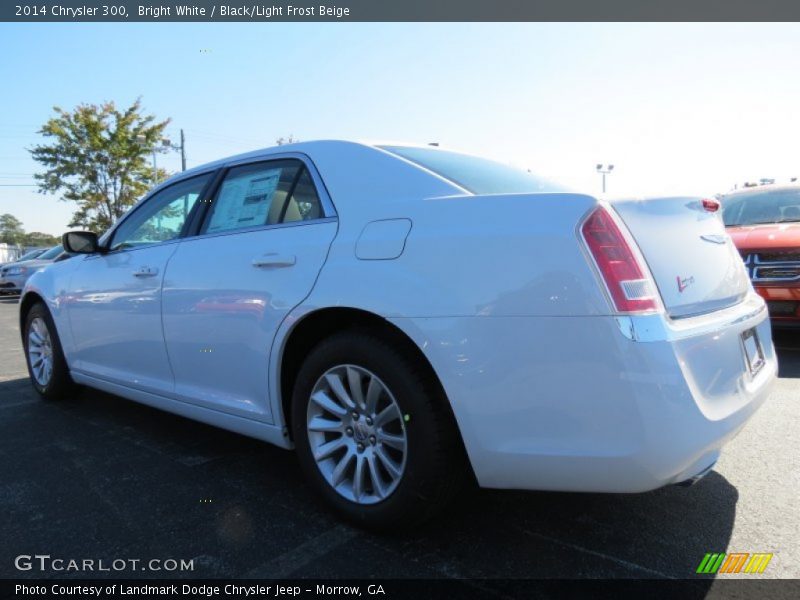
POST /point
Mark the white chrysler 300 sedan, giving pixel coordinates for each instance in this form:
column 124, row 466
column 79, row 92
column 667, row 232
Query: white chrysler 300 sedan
column 406, row 317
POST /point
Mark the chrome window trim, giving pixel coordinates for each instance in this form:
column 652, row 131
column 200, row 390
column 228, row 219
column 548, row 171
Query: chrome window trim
column 255, row 228
column 329, row 210
column 133, row 249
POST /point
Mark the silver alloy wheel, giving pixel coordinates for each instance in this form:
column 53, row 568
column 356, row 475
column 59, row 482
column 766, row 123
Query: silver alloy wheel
column 40, row 351
column 357, row 434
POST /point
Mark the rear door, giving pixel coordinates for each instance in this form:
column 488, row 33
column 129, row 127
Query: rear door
column 693, row 260
column 262, row 243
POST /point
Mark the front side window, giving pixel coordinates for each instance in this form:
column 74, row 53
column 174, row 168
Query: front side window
column 267, row 193
column 162, row 217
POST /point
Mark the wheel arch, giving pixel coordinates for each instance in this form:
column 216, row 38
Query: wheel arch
column 25, row 305
column 314, row 327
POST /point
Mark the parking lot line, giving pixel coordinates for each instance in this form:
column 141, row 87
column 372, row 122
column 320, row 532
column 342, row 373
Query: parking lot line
column 619, row 561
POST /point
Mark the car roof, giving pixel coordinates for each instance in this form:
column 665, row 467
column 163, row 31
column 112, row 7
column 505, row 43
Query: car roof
column 299, row 147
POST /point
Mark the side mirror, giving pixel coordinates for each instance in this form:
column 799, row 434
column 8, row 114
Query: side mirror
column 80, row 242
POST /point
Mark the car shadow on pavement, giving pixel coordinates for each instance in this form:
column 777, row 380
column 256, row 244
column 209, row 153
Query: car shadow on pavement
column 101, row 476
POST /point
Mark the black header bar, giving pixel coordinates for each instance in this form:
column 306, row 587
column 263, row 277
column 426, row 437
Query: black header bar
column 260, row 11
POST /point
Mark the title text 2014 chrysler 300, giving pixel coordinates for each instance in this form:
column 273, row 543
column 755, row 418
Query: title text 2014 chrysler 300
column 401, row 315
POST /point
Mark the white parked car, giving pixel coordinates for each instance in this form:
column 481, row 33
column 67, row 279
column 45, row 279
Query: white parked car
column 403, row 316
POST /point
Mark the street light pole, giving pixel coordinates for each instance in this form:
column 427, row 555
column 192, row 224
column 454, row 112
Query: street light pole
column 604, row 170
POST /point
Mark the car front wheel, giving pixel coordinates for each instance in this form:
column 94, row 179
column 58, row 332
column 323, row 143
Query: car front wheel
column 46, row 364
column 373, row 433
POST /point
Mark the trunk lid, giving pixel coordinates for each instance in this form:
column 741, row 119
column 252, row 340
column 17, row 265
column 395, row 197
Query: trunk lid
column 693, row 260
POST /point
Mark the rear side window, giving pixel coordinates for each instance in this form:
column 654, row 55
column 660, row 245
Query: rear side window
column 475, row 174
column 266, row 193
column 303, row 204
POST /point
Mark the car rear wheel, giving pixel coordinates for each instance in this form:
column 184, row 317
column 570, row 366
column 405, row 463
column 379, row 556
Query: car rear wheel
column 46, row 365
column 373, row 433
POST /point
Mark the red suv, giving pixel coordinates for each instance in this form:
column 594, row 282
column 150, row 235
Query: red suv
column 764, row 223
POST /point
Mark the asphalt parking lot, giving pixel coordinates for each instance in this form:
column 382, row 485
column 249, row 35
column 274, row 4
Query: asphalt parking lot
column 98, row 476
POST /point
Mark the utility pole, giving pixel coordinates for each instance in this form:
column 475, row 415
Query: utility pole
column 183, row 152
column 166, row 144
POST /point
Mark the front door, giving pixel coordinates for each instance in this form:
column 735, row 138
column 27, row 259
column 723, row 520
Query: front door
column 262, row 244
column 115, row 306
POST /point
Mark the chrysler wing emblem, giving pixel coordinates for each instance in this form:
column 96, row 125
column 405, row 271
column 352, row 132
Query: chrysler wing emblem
column 714, row 238
column 684, row 282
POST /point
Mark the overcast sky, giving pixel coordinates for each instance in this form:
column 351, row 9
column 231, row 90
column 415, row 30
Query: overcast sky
column 677, row 108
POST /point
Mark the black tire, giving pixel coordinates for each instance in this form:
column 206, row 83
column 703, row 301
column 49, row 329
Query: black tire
column 59, row 384
column 435, row 465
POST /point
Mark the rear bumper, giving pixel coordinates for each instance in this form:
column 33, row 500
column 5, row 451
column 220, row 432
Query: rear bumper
column 574, row 404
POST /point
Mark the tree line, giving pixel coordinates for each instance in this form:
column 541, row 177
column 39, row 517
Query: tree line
column 12, row 232
column 96, row 155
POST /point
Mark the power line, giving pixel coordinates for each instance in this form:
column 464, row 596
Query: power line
column 221, row 137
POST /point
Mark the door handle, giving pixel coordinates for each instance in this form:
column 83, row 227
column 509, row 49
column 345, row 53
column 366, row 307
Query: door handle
column 274, row 260
column 145, row 272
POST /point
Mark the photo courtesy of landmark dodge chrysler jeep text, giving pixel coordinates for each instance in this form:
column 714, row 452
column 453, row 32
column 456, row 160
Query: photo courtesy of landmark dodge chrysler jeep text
column 407, row 316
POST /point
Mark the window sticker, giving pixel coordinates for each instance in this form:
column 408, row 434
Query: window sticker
column 245, row 201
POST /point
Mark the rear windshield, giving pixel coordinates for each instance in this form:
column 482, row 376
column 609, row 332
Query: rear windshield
column 761, row 206
column 475, row 174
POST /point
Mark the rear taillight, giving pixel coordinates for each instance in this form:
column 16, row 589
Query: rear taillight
column 710, row 205
column 630, row 289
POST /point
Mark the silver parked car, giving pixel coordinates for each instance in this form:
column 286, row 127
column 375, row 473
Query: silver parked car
column 14, row 275
column 30, row 255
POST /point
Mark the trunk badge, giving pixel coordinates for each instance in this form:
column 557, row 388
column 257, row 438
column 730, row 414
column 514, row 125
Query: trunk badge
column 684, row 283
